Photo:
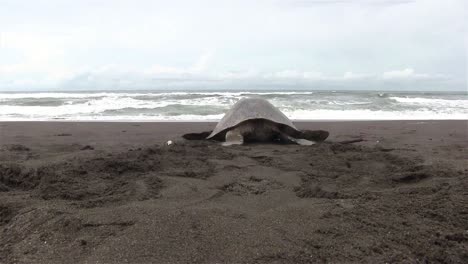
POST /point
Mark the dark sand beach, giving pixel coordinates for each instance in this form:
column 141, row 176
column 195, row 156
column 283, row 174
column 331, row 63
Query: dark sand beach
column 81, row 192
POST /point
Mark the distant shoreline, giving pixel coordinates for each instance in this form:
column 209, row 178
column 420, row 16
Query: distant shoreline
column 215, row 121
column 255, row 90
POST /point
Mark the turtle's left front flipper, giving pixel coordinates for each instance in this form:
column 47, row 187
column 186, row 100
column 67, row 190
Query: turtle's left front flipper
column 285, row 138
column 301, row 141
column 197, row 136
column 314, row 135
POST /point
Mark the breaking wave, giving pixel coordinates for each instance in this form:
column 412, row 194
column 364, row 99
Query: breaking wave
column 167, row 106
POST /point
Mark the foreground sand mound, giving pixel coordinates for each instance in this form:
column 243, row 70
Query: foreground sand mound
column 200, row 202
column 106, row 177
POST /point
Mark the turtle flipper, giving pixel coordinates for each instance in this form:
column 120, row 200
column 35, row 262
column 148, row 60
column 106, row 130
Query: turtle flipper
column 300, row 141
column 233, row 137
column 303, row 142
column 314, row 135
column 285, row 138
column 196, row 136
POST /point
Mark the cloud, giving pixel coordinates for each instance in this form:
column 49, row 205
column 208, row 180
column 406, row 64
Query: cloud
column 237, row 75
column 293, row 74
column 345, row 42
column 198, row 76
column 169, row 77
column 305, row 3
column 202, row 63
column 355, row 76
column 40, row 55
column 407, row 74
column 199, row 67
column 312, row 3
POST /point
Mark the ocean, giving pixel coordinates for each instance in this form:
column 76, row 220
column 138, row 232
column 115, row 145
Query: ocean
column 211, row 105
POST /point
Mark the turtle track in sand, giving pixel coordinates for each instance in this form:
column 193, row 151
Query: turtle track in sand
column 102, row 178
column 78, row 203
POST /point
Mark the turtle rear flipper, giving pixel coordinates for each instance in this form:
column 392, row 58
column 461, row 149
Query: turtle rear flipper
column 197, row 136
column 233, row 137
column 315, row 135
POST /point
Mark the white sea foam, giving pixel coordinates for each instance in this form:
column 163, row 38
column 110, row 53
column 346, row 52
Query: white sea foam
column 56, row 95
column 373, row 115
column 92, row 106
column 431, row 101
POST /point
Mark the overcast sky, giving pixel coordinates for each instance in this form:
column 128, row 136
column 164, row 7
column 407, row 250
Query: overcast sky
column 315, row 44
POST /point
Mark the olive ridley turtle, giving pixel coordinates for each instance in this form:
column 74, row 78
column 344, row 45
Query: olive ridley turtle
column 257, row 120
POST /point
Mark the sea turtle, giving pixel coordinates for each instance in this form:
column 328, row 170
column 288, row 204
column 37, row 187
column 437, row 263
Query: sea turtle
column 257, row 120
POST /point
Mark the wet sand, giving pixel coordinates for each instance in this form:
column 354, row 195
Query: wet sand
column 81, row 192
